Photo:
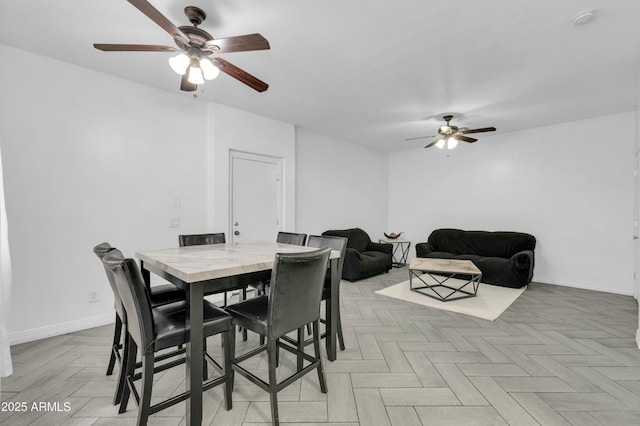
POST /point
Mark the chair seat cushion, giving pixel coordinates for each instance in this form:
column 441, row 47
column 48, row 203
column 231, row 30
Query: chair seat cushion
column 164, row 294
column 170, row 323
column 251, row 314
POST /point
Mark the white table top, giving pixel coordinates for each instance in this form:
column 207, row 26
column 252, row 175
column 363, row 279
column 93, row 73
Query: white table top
column 205, row 262
column 393, row 240
column 431, row 264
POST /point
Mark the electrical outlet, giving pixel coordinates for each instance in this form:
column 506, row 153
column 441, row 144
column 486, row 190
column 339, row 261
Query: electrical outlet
column 94, row 296
column 174, row 222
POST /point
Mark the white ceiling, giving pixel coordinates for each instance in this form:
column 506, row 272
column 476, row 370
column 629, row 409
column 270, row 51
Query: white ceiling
column 372, row 72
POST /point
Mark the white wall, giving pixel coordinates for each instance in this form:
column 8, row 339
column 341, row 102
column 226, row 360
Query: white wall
column 234, row 129
column 637, row 215
column 340, row 185
column 570, row 185
column 90, row 158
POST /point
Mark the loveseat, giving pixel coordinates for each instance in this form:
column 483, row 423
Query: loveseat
column 363, row 257
column 504, row 258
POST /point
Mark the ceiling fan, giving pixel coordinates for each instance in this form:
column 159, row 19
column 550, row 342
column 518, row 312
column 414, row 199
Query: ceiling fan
column 197, row 60
column 449, row 135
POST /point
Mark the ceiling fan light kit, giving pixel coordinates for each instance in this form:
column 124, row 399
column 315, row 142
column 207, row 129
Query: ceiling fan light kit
column 448, row 143
column 449, row 136
column 195, row 62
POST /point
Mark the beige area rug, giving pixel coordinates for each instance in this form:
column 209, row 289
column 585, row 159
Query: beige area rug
column 491, row 301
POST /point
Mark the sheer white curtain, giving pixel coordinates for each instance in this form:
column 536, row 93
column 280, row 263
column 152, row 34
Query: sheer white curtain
column 5, row 284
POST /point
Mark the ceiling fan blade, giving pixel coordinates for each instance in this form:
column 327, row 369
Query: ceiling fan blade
column 420, row 137
column 186, row 85
column 157, row 17
column 464, row 138
column 241, row 75
column 484, row 129
column 133, row 48
column 238, row 43
column 433, row 143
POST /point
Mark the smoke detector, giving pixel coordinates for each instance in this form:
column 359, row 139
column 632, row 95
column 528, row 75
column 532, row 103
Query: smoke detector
column 585, row 17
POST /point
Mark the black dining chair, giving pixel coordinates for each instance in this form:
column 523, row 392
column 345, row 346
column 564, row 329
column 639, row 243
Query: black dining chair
column 337, row 244
column 284, row 238
column 159, row 295
column 291, row 238
column 259, row 287
column 293, row 301
column 203, row 239
column 154, row 329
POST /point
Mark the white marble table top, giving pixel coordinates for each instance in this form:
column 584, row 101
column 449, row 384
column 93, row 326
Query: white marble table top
column 431, row 264
column 205, row 262
column 393, row 240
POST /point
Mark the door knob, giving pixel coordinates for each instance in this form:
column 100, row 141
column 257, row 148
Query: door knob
column 236, row 233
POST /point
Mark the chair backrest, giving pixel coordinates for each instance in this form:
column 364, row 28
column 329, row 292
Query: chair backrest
column 101, row 250
column 335, row 243
column 135, row 298
column 201, row 239
column 295, row 292
column 291, row 238
column 482, row 243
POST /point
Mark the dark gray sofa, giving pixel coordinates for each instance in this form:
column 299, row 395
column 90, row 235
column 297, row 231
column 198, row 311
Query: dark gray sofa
column 363, row 257
column 504, row 258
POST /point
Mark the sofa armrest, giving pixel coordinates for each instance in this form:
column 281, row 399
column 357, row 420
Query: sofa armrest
column 383, row 247
column 422, row 249
column 352, row 254
column 523, row 259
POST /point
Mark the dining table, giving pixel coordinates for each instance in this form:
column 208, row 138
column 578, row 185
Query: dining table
column 207, row 269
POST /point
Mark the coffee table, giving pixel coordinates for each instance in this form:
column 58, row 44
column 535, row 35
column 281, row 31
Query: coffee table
column 441, row 285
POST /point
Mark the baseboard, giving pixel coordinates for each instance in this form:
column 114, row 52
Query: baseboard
column 71, row 326
column 583, row 286
column 59, row 329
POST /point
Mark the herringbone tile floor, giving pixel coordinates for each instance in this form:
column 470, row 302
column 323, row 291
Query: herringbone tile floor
column 557, row 356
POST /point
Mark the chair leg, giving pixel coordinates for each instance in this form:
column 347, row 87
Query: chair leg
column 244, row 330
column 228, row 347
column 272, row 351
column 205, row 369
column 316, row 349
column 300, row 363
column 117, row 335
column 144, row 407
column 122, row 375
column 340, row 335
column 129, row 366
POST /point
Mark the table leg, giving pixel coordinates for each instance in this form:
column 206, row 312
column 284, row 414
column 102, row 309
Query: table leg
column 332, row 323
column 194, row 356
column 146, row 275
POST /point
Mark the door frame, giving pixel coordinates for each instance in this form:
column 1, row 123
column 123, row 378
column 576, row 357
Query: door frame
column 243, row 155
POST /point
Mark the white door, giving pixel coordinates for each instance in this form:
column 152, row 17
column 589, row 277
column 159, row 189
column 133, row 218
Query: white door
column 256, row 197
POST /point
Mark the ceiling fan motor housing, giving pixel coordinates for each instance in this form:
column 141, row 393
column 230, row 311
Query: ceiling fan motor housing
column 195, row 15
